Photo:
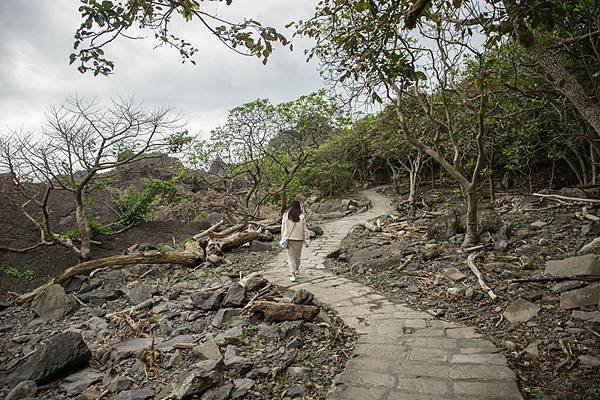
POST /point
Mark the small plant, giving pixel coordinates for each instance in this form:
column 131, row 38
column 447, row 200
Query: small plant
column 47, row 278
column 206, row 272
column 251, row 330
column 537, row 393
column 18, row 273
column 155, row 318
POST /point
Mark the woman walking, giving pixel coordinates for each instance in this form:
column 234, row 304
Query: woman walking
column 295, row 231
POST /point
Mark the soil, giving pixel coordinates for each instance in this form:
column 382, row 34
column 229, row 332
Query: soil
column 407, row 267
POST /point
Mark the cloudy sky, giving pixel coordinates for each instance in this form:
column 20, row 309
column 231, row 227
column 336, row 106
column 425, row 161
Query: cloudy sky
column 37, row 37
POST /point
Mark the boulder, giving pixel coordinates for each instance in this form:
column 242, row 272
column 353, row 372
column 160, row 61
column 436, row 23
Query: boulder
column 236, row 296
column 203, row 376
column 520, row 310
column 565, row 286
column 592, row 247
column 23, row 390
column 316, row 229
column 75, row 283
column 223, row 392
column 51, row 304
column 207, row 301
column 59, row 355
column 588, row 264
column 379, row 257
column 224, row 315
column 587, row 296
column 208, row 350
column 138, row 294
column 444, row 227
column 80, row 381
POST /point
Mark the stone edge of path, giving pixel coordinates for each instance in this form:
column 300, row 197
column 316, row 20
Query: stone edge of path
column 401, row 353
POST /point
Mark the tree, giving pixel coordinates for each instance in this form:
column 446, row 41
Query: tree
column 79, row 141
column 104, row 22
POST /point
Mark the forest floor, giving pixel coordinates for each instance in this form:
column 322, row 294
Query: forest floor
column 555, row 352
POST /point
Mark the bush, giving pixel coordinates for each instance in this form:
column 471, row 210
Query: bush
column 136, row 205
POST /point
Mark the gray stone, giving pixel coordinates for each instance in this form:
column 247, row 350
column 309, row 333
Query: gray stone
column 588, row 264
column 454, row 274
column 510, row 346
column 242, row 386
column 593, row 228
column 256, row 283
column 100, row 296
column 236, row 296
column 290, row 329
column 59, row 355
column 96, row 324
column 223, row 392
column 120, row 384
column 236, row 332
column 169, row 345
column 587, row 296
column 174, row 360
column 23, row 390
column 298, row 391
column 138, row 294
column 412, row 289
column 399, row 284
column 532, row 349
column 75, row 283
column 299, row 373
column 455, row 291
column 208, row 350
column 51, row 304
column 444, row 227
column 565, row 286
column 538, row 224
column 79, row 381
column 224, row 315
column 203, row 376
column 469, row 292
column 215, row 259
column 130, row 348
column 239, row 364
column 592, row 316
column 592, row 247
column 269, row 331
column 589, row 360
column 260, row 246
column 207, row 301
column 140, row 394
column 520, row 310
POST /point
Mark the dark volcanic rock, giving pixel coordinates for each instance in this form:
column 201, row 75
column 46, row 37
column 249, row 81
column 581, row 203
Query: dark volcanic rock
column 59, row 355
column 236, row 296
column 207, row 301
column 444, row 227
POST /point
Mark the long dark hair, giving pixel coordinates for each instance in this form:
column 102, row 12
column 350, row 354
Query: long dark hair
column 294, row 211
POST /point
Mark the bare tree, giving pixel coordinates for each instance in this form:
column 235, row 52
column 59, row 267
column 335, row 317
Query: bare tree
column 80, row 139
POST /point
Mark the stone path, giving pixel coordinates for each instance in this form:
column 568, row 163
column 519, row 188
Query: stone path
column 402, row 354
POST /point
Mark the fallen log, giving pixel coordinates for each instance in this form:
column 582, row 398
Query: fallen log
column 284, row 311
column 227, row 232
column 265, row 222
column 584, row 214
column 558, row 197
column 586, row 278
column 237, row 240
column 209, row 230
column 484, row 286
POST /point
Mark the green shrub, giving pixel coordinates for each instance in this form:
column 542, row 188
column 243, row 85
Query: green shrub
column 18, row 273
column 136, row 205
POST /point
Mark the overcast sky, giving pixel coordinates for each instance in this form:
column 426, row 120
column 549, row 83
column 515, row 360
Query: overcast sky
column 37, row 37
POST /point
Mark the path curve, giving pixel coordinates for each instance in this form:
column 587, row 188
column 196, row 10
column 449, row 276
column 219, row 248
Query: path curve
column 402, row 354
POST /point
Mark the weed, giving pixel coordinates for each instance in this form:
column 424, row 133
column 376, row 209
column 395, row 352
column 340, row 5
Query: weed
column 47, row 278
column 537, row 393
column 18, row 273
column 206, row 272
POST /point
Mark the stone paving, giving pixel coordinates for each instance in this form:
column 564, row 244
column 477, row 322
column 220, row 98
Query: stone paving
column 402, row 354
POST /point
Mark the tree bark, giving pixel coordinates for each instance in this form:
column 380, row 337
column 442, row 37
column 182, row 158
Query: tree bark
column 550, row 62
column 84, row 228
column 472, row 235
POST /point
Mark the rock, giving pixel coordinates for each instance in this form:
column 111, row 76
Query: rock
column 538, row 224
column 260, row 246
column 236, row 296
column 256, row 283
column 239, row 364
column 80, row 381
column 23, row 390
column 100, row 296
column 96, row 324
column 444, row 227
column 588, row 264
column 378, row 257
column 592, row 247
column 303, row 296
column 242, row 386
column 120, row 384
column 565, row 286
column 589, row 360
column 432, row 253
column 412, row 289
column 593, row 228
column 224, row 315
column 130, row 347
column 592, row 316
column 489, row 221
column 454, row 274
column 296, row 391
column 223, row 392
column 532, row 349
column 59, row 355
column 203, row 376
column 299, row 373
column 169, row 345
column 51, row 304
column 174, row 360
column 140, row 394
column 399, row 284
column 4, row 305
column 74, row 284
column 208, row 350
column 345, row 257
column 269, row 331
column 214, row 217
column 510, row 346
column 438, row 280
column 290, row 329
column 520, row 311
column 207, row 301
column 587, row 296
column 469, row 292
column 316, row 229
column 138, row 294
column 454, row 291
column 501, row 245
column 232, row 333
column 215, row 259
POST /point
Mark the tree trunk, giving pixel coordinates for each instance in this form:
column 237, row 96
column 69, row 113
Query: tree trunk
column 84, row 228
column 550, row 62
column 472, row 235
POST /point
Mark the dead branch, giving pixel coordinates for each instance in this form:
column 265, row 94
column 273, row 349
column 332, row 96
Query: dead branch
column 237, row 240
column 209, row 230
column 145, row 304
column 587, row 278
column 563, row 199
column 484, row 286
column 227, row 232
